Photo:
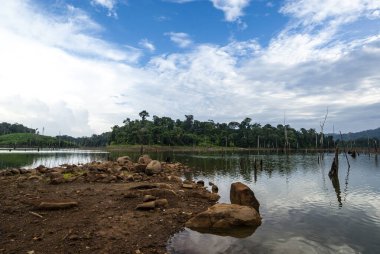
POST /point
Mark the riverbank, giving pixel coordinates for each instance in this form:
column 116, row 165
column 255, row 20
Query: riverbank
column 97, row 207
column 158, row 148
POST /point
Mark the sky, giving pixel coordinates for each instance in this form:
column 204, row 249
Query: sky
column 79, row 67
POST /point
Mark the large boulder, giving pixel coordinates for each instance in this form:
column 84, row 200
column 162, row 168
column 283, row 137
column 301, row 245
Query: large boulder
column 225, row 216
column 154, row 167
column 144, row 159
column 241, row 194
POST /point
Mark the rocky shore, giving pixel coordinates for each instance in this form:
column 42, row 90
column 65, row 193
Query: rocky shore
column 111, row 207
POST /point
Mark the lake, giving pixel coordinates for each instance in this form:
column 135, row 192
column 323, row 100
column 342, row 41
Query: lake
column 303, row 210
column 49, row 158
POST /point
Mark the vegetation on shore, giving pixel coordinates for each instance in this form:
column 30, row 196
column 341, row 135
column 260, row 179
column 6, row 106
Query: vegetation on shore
column 191, row 132
column 16, row 140
column 161, row 132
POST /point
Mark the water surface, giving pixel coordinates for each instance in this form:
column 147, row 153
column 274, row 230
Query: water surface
column 26, row 158
column 303, row 210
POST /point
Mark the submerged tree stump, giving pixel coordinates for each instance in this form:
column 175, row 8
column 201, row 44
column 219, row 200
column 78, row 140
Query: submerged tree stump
column 335, row 164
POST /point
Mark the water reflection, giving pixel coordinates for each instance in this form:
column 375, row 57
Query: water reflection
column 32, row 159
column 299, row 209
column 335, row 182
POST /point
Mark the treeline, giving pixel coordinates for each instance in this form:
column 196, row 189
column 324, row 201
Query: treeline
column 189, row 132
column 18, row 135
column 32, row 140
column 7, row 128
column 93, row 141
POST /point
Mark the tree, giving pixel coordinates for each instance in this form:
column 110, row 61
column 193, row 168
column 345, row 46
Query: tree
column 143, row 114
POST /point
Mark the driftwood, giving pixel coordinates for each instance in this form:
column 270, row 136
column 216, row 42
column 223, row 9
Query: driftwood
column 56, row 205
column 36, row 214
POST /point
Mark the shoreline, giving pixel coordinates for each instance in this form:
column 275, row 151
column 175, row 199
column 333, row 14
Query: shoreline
column 95, row 208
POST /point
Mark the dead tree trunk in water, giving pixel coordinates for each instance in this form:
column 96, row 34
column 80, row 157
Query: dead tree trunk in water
column 335, row 164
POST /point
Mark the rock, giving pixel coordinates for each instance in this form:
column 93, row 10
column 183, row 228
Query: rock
column 154, row 167
column 161, row 203
column 188, row 182
column 173, row 178
column 148, row 198
column 56, row 178
column 187, row 186
column 41, row 169
column 225, row 216
column 146, row 206
column 144, row 159
column 35, row 177
column 164, row 186
column 213, row 197
column 123, row 160
column 24, row 171
column 201, row 183
column 241, row 194
column 214, row 189
column 211, row 183
column 162, row 193
column 139, row 167
column 14, row 171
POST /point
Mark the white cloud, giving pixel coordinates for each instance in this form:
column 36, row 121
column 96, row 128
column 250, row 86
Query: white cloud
column 145, row 43
column 181, row 39
column 56, row 72
column 233, row 9
column 110, row 5
column 316, row 11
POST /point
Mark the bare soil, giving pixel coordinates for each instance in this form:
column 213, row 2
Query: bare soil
column 105, row 219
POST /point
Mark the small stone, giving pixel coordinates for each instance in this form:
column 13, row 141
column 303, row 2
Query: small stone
column 187, row 186
column 146, row 206
column 214, row 189
column 148, row 198
column 173, row 178
column 201, row 183
column 161, row 203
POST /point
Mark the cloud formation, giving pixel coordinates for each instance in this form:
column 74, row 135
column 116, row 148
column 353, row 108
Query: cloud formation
column 233, row 9
column 145, row 43
column 181, row 39
column 57, row 72
column 110, row 5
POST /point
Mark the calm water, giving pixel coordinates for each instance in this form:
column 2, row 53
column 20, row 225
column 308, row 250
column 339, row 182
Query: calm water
column 49, row 158
column 302, row 210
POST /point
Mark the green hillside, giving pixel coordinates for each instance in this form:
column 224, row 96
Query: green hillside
column 31, row 140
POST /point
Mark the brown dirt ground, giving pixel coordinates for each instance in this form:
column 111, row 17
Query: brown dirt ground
column 105, row 221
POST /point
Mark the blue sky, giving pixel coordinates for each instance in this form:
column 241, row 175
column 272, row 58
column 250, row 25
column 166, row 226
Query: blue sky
column 80, row 67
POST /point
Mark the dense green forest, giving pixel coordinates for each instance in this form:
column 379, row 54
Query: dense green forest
column 18, row 135
column 17, row 140
column 189, row 132
column 93, row 141
column 7, row 128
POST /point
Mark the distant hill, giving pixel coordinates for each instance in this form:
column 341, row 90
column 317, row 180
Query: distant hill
column 8, row 128
column 359, row 135
column 22, row 136
column 32, row 140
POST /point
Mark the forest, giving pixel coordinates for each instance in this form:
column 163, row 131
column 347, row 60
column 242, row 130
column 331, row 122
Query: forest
column 191, row 132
